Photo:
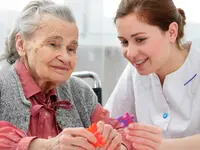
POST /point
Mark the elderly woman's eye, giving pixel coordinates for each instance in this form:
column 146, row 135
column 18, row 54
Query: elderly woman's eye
column 71, row 49
column 52, row 44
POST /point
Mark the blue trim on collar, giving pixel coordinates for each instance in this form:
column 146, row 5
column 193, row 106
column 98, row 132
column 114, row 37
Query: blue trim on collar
column 190, row 80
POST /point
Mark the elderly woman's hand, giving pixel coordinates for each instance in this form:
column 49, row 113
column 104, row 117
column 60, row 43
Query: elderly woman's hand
column 144, row 136
column 112, row 137
column 72, row 138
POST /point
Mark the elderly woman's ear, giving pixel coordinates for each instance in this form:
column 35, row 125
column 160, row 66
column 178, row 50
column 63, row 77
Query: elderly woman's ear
column 20, row 45
column 187, row 45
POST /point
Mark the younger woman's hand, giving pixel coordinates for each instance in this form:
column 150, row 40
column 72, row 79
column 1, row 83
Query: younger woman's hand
column 143, row 136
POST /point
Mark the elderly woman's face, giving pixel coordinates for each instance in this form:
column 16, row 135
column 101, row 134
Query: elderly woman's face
column 51, row 51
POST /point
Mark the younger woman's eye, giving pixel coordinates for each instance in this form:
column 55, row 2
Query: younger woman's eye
column 140, row 40
column 124, row 43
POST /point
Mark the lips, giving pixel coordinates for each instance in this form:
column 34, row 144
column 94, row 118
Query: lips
column 61, row 68
column 140, row 61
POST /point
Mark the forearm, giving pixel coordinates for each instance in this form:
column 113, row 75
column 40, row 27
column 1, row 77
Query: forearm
column 15, row 137
column 187, row 143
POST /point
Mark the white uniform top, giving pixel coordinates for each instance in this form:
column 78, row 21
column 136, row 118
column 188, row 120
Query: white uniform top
column 175, row 107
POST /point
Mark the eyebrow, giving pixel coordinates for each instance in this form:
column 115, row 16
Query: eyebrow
column 56, row 37
column 75, row 42
column 133, row 35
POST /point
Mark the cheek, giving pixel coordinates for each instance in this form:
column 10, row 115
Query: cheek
column 40, row 59
column 155, row 49
column 124, row 52
column 40, row 56
column 73, row 62
column 159, row 54
column 45, row 55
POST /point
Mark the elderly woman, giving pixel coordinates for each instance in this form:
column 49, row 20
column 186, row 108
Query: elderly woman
column 38, row 96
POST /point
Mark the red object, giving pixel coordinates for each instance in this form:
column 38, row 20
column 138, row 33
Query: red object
column 100, row 140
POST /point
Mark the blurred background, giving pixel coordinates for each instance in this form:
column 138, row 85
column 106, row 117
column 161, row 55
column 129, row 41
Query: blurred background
column 99, row 49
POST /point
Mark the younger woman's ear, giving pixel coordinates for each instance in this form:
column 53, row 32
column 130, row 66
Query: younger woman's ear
column 20, row 44
column 173, row 32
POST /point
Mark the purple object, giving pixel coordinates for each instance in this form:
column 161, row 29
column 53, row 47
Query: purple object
column 126, row 119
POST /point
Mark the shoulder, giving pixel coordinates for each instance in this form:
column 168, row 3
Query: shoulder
column 81, row 93
column 193, row 60
column 77, row 82
column 8, row 81
column 6, row 74
column 79, row 89
column 80, row 85
column 194, row 53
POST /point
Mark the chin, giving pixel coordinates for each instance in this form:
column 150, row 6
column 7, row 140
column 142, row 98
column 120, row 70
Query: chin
column 144, row 72
column 59, row 79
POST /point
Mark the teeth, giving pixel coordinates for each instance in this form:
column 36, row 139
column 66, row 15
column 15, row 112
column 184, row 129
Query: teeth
column 140, row 62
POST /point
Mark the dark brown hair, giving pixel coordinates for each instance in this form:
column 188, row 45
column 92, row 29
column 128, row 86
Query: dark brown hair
column 160, row 13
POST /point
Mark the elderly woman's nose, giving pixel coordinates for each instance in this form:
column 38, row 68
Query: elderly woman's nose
column 64, row 56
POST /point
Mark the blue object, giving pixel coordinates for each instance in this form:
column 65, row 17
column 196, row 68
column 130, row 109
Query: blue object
column 190, row 80
column 165, row 115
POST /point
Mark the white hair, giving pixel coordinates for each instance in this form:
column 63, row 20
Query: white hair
column 29, row 20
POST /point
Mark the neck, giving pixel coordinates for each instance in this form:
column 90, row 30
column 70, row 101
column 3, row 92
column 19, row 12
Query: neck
column 45, row 86
column 176, row 59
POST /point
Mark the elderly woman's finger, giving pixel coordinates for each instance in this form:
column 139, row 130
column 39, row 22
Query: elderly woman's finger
column 100, row 126
column 115, row 142
column 106, row 131
column 114, row 139
column 80, row 132
column 69, row 147
column 78, row 142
